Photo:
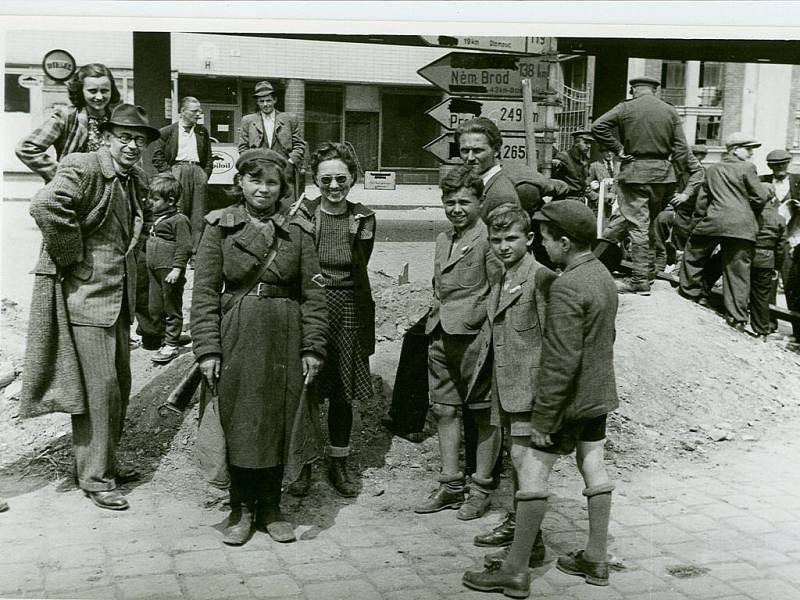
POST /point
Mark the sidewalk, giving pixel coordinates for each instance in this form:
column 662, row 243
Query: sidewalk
column 728, row 528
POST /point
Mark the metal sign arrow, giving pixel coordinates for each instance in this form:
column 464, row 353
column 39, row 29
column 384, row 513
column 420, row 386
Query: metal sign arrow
column 506, row 114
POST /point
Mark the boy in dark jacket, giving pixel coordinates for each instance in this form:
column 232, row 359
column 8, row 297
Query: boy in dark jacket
column 168, row 250
column 767, row 263
column 574, row 392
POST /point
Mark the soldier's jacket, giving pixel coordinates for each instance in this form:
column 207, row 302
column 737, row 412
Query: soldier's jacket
column 650, row 130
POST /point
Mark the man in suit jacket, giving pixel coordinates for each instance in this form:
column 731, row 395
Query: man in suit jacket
column 90, row 215
column 731, row 198
column 572, row 167
column 787, row 194
column 185, row 149
column 607, row 168
column 274, row 130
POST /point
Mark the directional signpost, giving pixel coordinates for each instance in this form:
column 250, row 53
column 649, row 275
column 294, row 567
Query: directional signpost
column 500, row 87
column 516, row 44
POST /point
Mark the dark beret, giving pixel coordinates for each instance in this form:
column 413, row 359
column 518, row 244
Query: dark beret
column 261, row 155
column 575, row 218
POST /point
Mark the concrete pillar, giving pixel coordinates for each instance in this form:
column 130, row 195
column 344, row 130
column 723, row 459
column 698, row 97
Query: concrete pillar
column 732, row 98
column 792, row 131
column 295, row 101
column 152, row 84
column 610, row 82
column 692, row 83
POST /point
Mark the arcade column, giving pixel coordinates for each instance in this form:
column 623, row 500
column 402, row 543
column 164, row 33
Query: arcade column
column 610, row 81
column 151, row 80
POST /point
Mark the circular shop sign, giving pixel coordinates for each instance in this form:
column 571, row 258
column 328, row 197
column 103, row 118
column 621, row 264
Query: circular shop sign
column 59, row 65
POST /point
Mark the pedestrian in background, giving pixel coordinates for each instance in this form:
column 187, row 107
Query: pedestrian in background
column 344, row 232
column 600, row 170
column 768, row 257
column 258, row 328
column 650, row 138
column 93, row 94
column 463, row 266
column 572, row 166
column 732, row 197
column 184, row 149
column 168, row 250
column 275, row 130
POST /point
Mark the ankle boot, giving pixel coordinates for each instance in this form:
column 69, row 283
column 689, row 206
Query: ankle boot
column 337, row 472
column 240, row 526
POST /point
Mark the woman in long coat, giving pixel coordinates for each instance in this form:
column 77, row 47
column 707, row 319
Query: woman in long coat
column 344, row 232
column 259, row 352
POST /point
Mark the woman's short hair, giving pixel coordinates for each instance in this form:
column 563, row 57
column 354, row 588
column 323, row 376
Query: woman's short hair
column 484, row 126
column 166, row 186
column 75, row 85
column 506, row 215
column 258, row 167
column 334, row 151
column 462, row 177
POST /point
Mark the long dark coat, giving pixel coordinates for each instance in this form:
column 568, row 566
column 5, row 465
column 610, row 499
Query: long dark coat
column 261, row 339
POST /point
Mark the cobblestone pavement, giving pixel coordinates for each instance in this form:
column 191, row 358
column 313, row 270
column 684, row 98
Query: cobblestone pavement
column 727, row 528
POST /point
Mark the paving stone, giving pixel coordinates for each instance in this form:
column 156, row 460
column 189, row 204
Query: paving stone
column 666, row 509
column 781, row 542
column 254, row 562
column 374, row 558
column 633, row 516
column 731, row 571
column 136, row 565
column 446, row 584
column 20, row 578
column 695, row 522
column 338, row 569
column 204, row 541
column 424, row 593
column 60, row 580
column 106, row 592
column 25, row 553
column 81, row 556
column 636, row 581
column 138, row 545
column 664, row 595
column 582, row 591
column 200, row 562
column 354, row 589
column 359, row 537
column 789, row 572
column 214, row 587
column 307, row 552
column 440, row 564
column 394, row 578
column 151, row 586
column 761, row 557
column 751, row 525
column 702, row 554
column 664, row 533
column 719, row 510
column 768, row 589
column 704, row 587
column 273, row 586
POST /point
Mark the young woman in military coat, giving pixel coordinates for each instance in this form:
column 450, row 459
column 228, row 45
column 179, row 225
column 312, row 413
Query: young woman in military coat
column 260, row 351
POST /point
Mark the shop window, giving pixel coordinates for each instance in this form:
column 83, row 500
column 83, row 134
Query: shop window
column 673, row 82
column 219, row 90
column 712, row 81
column 406, row 129
column 708, row 131
column 323, row 118
column 18, row 98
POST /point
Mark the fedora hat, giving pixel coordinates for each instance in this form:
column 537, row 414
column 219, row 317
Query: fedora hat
column 129, row 115
column 263, row 88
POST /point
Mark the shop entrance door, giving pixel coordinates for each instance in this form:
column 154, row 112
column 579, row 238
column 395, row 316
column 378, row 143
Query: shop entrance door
column 361, row 130
column 221, row 122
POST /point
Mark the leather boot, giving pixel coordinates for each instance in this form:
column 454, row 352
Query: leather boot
column 240, row 526
column 502, row 535
column 538, row 553
column 337, row 472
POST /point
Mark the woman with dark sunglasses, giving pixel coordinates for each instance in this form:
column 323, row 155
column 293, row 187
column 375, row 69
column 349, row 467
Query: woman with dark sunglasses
column 344, row 235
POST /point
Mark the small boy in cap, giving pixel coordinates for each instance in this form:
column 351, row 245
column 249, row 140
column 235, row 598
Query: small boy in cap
column 767, row 263
column 574, row 392
column 168, row 250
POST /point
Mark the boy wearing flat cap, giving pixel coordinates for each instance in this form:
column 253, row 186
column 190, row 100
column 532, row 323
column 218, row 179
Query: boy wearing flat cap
column 731, row 199
column 574, row 392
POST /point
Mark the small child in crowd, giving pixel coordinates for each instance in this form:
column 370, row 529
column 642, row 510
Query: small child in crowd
column 169, row 247
column 572, row 395
column 463, row 265
column 767, row 263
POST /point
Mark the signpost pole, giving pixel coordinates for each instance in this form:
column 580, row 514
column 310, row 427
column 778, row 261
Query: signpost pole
column 528, row 110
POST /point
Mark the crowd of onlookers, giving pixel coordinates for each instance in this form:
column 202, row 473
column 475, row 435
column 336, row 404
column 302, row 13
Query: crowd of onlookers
column 519, row 334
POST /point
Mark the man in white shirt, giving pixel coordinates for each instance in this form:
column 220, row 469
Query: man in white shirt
column 274, row 130
column 184, row 148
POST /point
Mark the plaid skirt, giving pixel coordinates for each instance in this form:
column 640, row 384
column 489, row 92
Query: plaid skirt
column 345, row 376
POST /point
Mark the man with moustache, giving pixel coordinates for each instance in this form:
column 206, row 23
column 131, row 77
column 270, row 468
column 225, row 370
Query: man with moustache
column 91, row 217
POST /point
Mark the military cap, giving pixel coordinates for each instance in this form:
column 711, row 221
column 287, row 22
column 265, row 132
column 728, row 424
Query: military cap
column 575, row 218
column 263, row 88
column 741, row 139
column 644, row 81
column 779, row 156
column 582, row 133
column 699, row 149
column 262, row 155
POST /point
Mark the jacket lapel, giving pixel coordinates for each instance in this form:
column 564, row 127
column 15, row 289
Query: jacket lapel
column 526, row 270
column 491, row 302
column 463, row 247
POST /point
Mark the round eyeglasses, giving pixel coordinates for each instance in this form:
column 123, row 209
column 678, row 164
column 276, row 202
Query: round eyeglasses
column 328, row 179
column 126, row 138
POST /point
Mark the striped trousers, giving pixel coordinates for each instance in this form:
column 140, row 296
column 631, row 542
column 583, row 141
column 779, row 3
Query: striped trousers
column 105, row 363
